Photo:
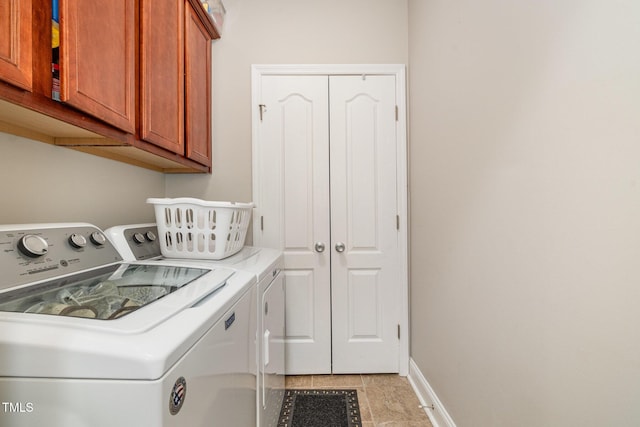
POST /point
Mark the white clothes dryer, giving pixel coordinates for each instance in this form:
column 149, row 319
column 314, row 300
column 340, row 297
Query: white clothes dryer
column 140, row 242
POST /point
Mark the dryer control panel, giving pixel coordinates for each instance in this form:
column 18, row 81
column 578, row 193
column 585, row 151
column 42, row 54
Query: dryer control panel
column 136, row 242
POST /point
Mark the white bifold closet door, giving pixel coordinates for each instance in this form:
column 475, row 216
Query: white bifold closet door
column 326, row 164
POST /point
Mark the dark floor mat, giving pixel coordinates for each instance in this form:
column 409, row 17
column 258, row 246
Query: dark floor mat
column 320, row 408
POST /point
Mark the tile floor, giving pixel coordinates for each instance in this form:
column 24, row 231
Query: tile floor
column 385, row 400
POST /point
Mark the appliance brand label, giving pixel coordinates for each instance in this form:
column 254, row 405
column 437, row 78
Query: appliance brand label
column 178, row 395
column 229, row 321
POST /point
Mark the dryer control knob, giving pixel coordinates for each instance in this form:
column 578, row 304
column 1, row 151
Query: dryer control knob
column 138, row 238
column 150, row 235
column 33, row 246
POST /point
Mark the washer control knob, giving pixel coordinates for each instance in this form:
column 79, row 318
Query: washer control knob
column 77, row 241
column 138, row 238
column 97, row 238
column 151, row 236
column 33, row 246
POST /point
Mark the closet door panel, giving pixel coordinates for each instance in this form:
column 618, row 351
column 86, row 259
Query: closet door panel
column 365, row 305
column 293, row 211
column 326, row 166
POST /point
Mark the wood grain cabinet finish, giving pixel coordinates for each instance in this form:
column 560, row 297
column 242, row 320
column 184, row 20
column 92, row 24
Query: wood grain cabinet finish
column 97, row 56
column 15, row 43
column 162, row 73
column 135, row 79
column 175, row 78
column 197, row 88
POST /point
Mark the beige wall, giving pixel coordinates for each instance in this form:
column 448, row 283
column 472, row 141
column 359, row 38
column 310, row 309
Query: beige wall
column 45, row 183
column 525, row 192
column 283, row 32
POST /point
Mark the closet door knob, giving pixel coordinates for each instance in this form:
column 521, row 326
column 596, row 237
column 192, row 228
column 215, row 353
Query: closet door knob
column 340, row 247
column 319, row 247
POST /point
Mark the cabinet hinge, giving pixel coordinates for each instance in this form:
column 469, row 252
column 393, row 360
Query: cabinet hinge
column 261, row 223
column 397, row 222
column 263, row 109
column 397, row 113
column 398, row 331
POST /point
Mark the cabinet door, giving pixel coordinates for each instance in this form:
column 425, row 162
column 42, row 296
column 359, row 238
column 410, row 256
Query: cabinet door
column 97, row 59
column 15, row 42
column 162, row 74
column 197, row 88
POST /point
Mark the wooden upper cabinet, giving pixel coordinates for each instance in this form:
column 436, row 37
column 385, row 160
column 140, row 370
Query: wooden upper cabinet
column 97, row 59
column 197, row 88
column 15, row 43
column 162, row 74
column 135, row 79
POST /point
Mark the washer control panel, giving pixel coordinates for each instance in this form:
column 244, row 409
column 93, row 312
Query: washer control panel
column 32, row 253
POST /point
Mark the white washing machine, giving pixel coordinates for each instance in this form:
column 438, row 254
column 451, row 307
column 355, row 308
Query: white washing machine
column 88, row 340
column 140, row 242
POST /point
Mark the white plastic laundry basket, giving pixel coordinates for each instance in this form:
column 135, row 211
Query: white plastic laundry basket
column 199, row 229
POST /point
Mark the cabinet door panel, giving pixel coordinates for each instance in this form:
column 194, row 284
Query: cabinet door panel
column 15, row 43
column 198, row 88
column 97, row 56
column 162, row 74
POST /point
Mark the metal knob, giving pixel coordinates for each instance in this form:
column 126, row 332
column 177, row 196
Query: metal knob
column 138, row 238
column 319, row 247
column 97, row 238
column 77, row 241
column 340, row 247
column 33, row 246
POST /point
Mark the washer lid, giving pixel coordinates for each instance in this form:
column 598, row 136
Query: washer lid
column 104, row 294
column 144, row 344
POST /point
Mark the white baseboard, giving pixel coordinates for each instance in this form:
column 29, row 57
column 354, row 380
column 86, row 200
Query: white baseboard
column 432, row 406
